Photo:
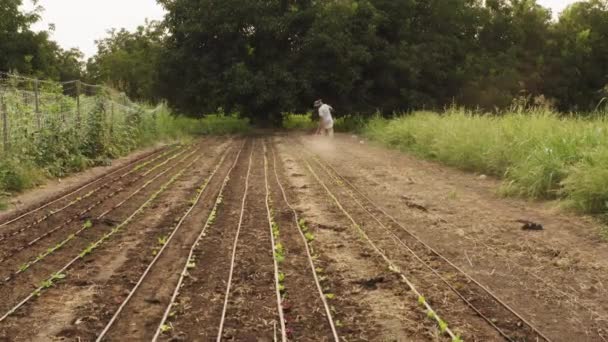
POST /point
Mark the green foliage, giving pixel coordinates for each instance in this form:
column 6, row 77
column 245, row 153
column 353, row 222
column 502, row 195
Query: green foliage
column 538, row 153
column 69, row 135
column 298, row 122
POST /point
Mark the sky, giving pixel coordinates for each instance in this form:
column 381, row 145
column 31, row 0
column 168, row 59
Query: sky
column 78, row 23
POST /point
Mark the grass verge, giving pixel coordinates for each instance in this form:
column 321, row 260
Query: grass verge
column 538, row 154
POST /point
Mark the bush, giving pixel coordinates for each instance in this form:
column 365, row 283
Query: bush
column 299, row 122
column 538, row 153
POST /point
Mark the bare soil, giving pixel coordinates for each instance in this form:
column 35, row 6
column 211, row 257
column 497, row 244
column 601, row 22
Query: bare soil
column 361, row 204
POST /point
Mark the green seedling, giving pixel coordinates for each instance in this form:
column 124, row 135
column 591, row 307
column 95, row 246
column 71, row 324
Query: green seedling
column 443, row 326
column 421, row 300
column 303, row 226
column 309, row 237
column 88, row 224
column 330, row 296
column 457, row 339
column 165, row 328
column 191, row 264
column 162, row 240
column 319, row 270
column 281, row 288
column 281, row 276
column 431, row 314
column 279, row 253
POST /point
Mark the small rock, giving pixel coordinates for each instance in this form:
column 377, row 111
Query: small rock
column 483, row 177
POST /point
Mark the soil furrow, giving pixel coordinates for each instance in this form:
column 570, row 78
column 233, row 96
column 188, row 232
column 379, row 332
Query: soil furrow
column 141, row 315
column 22, row 234
column 369, row 301
column 251, row 305
column 198, row 308
column 538, row 274
column 18, row 256
column 305, row 315
column 84, row 291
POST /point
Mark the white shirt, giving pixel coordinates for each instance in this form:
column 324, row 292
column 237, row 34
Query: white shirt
column 327, row 121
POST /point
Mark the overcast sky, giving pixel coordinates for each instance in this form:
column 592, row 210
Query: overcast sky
column 78, row 23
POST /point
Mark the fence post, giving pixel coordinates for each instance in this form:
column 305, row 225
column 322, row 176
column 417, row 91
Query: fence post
column 37, row 101
column 111, row 118
column 78, row 104
column 4, row 113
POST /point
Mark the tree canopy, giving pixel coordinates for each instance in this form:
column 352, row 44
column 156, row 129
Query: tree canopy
column 33, row 53
column 265, row 57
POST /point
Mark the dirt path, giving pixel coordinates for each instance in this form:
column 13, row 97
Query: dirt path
column 555, row 278
column 297, row 239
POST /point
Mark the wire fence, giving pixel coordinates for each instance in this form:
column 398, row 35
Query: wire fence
column 31, row 108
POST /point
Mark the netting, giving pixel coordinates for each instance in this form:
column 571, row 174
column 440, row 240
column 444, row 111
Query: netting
column 31, row 109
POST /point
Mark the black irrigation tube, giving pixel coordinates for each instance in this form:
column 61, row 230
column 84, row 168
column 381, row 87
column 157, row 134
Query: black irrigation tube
column 435, row 252
column 160, row 153
column 200, row 192
column 88, row 209
column 210, row 220
column 85, row 226
column 307, row 248
column 59, row 274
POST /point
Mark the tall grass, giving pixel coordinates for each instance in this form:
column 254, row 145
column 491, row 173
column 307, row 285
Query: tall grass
column 538, row 153
column 304, row 122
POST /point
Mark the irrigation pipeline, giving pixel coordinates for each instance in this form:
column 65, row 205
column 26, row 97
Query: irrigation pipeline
column 100, row 217
column 59, row 274
column 308, row 253
column 88, row 209
column 208, row 223
column 432, row 313
column 274, row 255
column 435, row 252
column 158, row 154
column 200, row 193
column 234, row 246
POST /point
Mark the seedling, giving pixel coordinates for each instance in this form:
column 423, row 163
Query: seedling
column 309, row 237
column 279, row 253
column 330, row 296
column 162, row 240
column 165, row 328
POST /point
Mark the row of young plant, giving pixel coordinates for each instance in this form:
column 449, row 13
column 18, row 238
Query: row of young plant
column 165, row 325
column 164, row 241
column 88, row 224
column 76, row 200
column 61, row 274
column 431, row 313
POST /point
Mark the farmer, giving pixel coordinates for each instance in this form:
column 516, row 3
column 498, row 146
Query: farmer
column 326, row 122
